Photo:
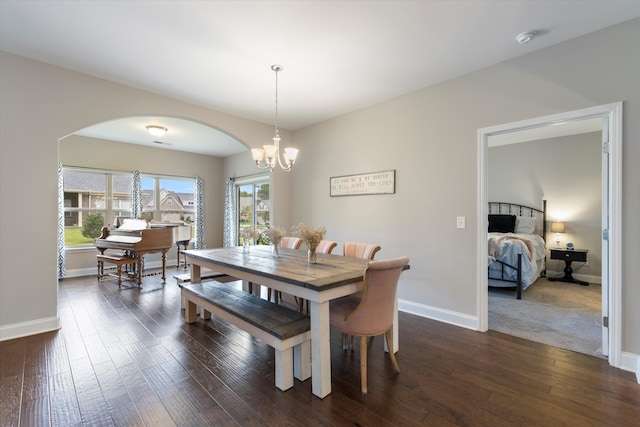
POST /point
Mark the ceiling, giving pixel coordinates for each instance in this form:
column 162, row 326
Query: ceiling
column 337, row 56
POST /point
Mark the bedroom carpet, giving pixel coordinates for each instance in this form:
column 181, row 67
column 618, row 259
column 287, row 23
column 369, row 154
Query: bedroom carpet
column 560, row 314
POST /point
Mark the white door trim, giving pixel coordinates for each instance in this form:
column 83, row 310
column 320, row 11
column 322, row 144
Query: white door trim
column 614, row 114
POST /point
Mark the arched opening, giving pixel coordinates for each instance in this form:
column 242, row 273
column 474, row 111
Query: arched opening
column 110, row 151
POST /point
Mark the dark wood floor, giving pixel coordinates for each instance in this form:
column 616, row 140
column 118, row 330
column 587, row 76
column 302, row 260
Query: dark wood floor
column 126, row 358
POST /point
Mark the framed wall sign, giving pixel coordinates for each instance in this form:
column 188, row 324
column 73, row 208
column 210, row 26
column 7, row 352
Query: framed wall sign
column 383, row 182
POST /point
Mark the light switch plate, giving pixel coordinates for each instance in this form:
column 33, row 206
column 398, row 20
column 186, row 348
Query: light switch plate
column 460, row 222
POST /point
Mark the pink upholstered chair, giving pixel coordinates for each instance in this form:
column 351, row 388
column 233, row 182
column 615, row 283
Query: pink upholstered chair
column 289, row 243
column 373, row 314
column 360, row 250
column 326, row 246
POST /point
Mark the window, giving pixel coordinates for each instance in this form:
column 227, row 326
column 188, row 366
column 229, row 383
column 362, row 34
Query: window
column 253, row 209
column 93, row 199
column 168, row 199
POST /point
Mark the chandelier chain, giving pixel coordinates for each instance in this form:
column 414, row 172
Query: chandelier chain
column 277, row 68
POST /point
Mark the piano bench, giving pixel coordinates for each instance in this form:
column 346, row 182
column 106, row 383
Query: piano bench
column 119, row 261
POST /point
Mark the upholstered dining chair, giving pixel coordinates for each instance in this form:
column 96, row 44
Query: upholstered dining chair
column 360, row 250
column 372, row 315
column 326, row 246
column 289, row 243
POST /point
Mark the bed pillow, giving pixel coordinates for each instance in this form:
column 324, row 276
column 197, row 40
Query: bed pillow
column 525, row 225
column 502, row 223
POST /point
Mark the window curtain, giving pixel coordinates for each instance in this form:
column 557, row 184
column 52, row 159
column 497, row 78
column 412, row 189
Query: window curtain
column 136, row 195
column 200, row 229
column 229, row 237
column 62, row 269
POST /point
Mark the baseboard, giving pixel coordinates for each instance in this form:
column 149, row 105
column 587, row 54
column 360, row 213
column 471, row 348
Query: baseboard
column 33, row 327
column 81, row 272
column 631, row 362
column 435, row 313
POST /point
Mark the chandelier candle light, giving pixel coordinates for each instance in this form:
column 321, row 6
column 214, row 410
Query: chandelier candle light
column 272, row 152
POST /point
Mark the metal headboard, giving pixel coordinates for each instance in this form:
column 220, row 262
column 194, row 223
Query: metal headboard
column 540, row 215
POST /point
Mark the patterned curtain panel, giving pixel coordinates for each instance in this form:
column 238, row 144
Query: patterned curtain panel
column 136, row 195
column 229, row 234
column 200, row 229
column 62, row 269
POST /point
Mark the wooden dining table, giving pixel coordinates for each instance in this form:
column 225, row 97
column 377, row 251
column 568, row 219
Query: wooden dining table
column 333, row 276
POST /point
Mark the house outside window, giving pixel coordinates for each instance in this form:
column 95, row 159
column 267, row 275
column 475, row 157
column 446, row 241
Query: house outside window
column 168, row 199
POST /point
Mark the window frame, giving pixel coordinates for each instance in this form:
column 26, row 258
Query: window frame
column 109, row 210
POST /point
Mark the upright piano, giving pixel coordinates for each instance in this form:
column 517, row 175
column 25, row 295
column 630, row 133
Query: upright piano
column 134, row 237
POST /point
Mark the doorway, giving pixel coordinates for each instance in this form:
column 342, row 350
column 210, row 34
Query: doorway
column 611, row 115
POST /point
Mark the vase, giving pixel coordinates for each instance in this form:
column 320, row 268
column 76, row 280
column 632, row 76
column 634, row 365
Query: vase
column 275, row 250
column 245, row 246
column 312, row 255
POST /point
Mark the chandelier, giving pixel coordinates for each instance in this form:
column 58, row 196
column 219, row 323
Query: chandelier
column 269, row 153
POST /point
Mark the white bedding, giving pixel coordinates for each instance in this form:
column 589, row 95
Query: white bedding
column 506, row 247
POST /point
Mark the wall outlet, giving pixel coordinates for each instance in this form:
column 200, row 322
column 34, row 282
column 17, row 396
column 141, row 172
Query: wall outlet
column 460, row 222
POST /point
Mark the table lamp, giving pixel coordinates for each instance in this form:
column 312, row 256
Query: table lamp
column 557, row 227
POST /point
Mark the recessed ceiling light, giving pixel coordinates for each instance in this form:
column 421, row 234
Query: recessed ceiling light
column 523, row 38
column 156, row 130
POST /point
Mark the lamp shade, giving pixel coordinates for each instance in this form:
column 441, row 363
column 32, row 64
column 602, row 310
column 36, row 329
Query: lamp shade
column 557, row 227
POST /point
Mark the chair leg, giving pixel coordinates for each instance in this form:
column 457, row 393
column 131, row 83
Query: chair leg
column 389, row 335
column 363, row 364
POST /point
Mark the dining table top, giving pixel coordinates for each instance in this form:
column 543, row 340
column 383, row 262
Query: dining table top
column 290, row 266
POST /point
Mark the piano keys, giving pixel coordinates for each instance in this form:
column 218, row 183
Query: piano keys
column 134, row 237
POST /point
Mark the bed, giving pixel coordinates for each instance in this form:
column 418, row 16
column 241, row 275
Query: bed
column 516, row 246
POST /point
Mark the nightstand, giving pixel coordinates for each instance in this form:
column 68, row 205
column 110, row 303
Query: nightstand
column 568, row 256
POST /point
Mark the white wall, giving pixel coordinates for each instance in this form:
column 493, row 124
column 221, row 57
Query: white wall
column 429, row 136
column 566, row 172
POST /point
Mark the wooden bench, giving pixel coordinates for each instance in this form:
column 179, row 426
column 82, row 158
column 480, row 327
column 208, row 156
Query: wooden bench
column 119, row 260
column 286, row 330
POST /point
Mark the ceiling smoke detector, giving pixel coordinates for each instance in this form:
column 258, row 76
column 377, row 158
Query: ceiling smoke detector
column 523, row 38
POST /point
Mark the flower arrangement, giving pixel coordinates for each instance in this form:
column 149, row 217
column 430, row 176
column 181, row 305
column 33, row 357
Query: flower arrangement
column 276, row 234
column 311, row 236
column 248, row 233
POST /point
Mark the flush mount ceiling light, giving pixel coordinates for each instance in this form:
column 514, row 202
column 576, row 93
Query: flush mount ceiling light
column 523, row 38
column 271, row 152
column 156, row 130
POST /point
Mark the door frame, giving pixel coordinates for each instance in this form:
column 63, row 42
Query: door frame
column 612, row 195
